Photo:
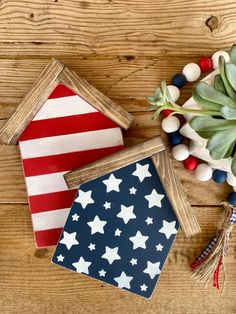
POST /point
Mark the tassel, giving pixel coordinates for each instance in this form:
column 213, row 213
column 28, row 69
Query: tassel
column 208, row 265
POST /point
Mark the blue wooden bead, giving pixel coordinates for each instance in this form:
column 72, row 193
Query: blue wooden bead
column 232, row 198
column 178, row 80
column 219, row 176
column 175, row 138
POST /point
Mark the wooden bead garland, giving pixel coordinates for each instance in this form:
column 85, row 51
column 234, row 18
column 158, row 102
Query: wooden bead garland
column 171, row 124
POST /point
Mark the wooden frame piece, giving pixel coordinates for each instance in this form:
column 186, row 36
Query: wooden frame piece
column 155, row 149
column 56, row 72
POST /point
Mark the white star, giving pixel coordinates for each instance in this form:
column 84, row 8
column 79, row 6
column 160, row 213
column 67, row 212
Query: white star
column 107, row 205
column 75, row 217
column 154, row 199
column 134, row 261
column 149, row 221
column 84, row 198
column 143, row 287
column 82, row 266
column 168, row 228
column 102, row 273
column 97, row 225
column 139, row 240
column 123, row 280
column 69, row 239
column 141, row 172
column 117, row 232
column 111, row 254
column 126, row 213
column 112, row 183
column 132, row 190
column 91, row 246
column 159, row 247
column 60, row 258
column 152, row 269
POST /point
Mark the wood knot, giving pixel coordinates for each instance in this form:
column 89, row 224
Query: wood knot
column 84, row 4
column 212, row 23
column 129, row 58
column 42, row 253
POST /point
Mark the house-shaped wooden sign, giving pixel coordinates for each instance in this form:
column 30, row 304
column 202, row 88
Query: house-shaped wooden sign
column 61, row 124
column 125, row 217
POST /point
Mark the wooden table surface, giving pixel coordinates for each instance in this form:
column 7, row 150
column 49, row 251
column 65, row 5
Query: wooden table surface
column 124, row 48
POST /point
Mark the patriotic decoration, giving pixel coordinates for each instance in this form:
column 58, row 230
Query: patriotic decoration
column 120, row 229
column 66, row 133
column 207, row 266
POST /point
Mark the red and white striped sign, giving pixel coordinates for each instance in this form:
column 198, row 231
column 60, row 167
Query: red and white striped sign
column 65, row 134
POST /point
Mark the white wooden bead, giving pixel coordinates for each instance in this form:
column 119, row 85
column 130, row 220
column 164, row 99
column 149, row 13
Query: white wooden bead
column 174, row 92
column 231, row 179
column 180, row 152
column 203, row 172
column 170, row 124
column 215, row 58
column 192, row 72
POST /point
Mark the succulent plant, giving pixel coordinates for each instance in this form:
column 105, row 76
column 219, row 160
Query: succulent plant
column 215, row 120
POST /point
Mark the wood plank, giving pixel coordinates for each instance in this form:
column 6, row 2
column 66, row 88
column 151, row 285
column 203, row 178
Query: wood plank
column 204, row 193
column 96, row 98
column 31, row 103
column 69, row 27
column 128, row 80
column 175, row 192
column 113, row 162
column 30, row 283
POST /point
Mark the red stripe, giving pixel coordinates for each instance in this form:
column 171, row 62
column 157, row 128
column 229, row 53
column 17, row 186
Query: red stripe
column 47, row 237
column 66, row 125
column 65, row 162
column 51, row 201
column 61, row 91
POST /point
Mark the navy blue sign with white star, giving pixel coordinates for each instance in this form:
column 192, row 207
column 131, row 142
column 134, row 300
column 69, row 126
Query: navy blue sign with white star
column 120, row 229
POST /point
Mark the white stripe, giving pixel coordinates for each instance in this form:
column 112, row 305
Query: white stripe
column 50, row 219
column 46, row 183
column 62, row 107
column 77, row 142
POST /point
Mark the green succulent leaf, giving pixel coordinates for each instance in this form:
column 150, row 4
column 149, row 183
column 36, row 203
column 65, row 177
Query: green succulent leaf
column 220, row 143
column 233, row 54
column 203, row 124
column 230, row 71
column 228, row 87
column 230, row 150
column 219, row 85
column 151, row 99
column 228, row 113
column 158, row 93
column 233, row 165
column 209, row 93
column 205, row 104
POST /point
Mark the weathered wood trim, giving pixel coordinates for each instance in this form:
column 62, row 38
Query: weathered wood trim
column 31, row 103
column 113, row 162
column 176, row 194
column 97, row 99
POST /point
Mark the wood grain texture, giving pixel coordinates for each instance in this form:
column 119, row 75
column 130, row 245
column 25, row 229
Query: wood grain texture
column 102, row 27
column 113, row 162
column 175, row 192
column 94, row 97
column 127, row 80
column 123, row 48
column 31, row 284
column 31, row 103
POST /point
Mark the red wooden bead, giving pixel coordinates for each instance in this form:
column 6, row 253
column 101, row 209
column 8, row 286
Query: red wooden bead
column 166, row 112
column 205, row 64
column 190, row 163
